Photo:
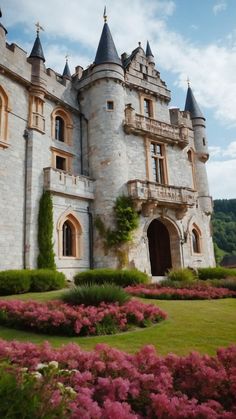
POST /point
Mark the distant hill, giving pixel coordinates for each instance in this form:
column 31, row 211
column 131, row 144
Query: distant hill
column 224, row 227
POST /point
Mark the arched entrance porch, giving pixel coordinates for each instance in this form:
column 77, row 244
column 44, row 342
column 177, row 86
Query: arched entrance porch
column 164, row 246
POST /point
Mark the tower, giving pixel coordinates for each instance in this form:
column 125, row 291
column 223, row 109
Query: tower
column 101, row 99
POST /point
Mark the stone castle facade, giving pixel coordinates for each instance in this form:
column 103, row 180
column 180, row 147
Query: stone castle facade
column 89, row 138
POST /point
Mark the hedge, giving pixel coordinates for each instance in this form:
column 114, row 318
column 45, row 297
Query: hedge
column 22, row 281
column 122, row 278
column 215, row 273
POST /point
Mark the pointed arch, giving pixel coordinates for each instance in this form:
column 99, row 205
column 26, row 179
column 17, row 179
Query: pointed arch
column 62, row 125
column 69, row 236
column 196, row 239
column 4, row 110
column 191, row 160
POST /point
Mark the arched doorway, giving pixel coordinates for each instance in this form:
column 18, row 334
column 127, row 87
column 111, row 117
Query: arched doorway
column 159, row 248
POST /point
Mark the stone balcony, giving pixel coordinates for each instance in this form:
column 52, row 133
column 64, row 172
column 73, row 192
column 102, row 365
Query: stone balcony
column 148, row 195
column 141, row 125
column 62, row 183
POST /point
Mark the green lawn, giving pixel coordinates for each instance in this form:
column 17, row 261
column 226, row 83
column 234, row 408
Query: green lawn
column 191, row 325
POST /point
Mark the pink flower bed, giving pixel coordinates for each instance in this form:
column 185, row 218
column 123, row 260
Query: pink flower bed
column 167, row 293
column 56, row 317
column 111, row 384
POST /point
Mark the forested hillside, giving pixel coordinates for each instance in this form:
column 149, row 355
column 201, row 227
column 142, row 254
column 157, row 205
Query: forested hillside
column 224, row 226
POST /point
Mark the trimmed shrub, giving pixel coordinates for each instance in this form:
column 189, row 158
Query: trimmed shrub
column 183, row 284
column 14, row 282
column 122, row 278
column 46, row 280
column 25, row 280
column 93, row 295
column 229, row 283
column 215, row 273
column 45, row 232
column 182, row 274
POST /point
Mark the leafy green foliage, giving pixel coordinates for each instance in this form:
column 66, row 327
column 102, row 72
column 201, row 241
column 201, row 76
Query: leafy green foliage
column 215, row 273
column 46, row 280
column 25, row 396
column 14, row 282
column 45, row 232
column 182, row 274
column 22, row 281
column 126, row 219
column 224, row 224
column 120, row 277
column 93, row 295
column 229, row 283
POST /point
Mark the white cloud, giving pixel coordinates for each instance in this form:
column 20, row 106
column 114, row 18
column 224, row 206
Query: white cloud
column 219, row 7
column 221, row 177
column 76, row 29
column 219, row 153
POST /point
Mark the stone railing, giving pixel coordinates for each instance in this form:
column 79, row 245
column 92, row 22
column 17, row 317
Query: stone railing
column 139, row 124
column 146, row 191
column 60, row 182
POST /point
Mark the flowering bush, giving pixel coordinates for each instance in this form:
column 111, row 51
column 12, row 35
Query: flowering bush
column 111, row 384
column 55, row 317
column 168, row 293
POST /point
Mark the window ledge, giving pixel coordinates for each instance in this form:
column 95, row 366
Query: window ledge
column 3, row 144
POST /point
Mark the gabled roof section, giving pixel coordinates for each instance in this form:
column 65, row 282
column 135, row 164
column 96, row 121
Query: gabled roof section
column 128, row 60
column 192, row 106
column 106, row 52
column 37, row 50
column 66, row 71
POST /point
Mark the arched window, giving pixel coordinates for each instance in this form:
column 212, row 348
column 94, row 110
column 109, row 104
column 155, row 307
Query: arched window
column 4, row 109
column 190, row 154
column 69, row 236
column 195, row 241
column 68, row 239
column 59, row 129
column 62, row 126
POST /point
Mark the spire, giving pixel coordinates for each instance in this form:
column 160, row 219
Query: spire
column 149, row 51
column 106, row 52
column 66, row 71
column 191, row 104
column 37, row 50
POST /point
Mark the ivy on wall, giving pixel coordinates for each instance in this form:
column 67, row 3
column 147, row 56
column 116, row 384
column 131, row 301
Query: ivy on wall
column 126, row 221
column 45, row 232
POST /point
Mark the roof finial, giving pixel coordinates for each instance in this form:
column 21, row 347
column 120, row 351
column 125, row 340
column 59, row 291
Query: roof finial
column 105, row 14
column 39, row 28
column 188, row 81
column 66, row 57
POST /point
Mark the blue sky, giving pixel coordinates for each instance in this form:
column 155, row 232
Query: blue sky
column 189, row 38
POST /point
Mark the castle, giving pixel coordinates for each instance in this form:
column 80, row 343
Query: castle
column 89, row 138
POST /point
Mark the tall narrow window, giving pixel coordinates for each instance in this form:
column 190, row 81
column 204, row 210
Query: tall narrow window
column 157, row 163
column 191, row 161
column 59, row 129
column 147, row 108
column 68, row 238
column 4, row 109
column 195, row 241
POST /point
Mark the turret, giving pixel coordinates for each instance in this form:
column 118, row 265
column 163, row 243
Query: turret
column 66, row 72
column 103, row 105
column 201, row 148
column 149, row 54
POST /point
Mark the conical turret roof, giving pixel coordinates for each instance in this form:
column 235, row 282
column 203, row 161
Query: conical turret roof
column 149, row 51
column 66, row 71
column 192, row 106
column 37, row 50
column 106, row 52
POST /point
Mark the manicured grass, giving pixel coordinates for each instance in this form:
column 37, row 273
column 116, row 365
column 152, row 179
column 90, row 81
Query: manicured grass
column 197, row 325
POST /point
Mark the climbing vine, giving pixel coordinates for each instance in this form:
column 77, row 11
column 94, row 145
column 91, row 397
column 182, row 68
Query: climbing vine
column 45, row 232
column 126, row 220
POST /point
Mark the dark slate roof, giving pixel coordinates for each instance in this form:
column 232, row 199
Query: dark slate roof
column 192, row 106
column 37, row 50
column 128, row 60
column 66, row 71
column 148, row 50
column 106, row 52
